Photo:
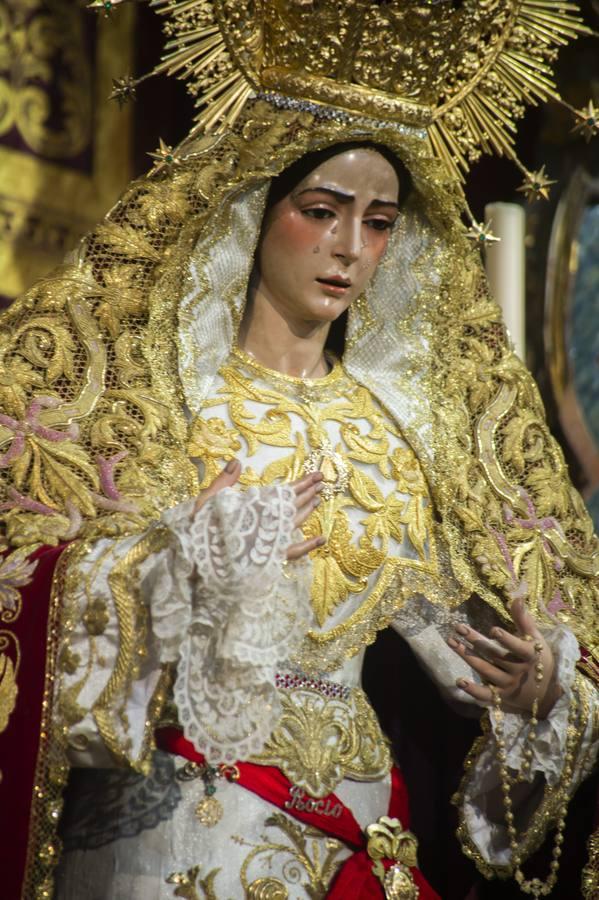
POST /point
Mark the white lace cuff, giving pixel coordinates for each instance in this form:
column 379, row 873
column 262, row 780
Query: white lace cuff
column 548, row 754
column 551, row 733
column 227, row 611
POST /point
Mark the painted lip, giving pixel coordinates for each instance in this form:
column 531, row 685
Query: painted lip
column 335, row 283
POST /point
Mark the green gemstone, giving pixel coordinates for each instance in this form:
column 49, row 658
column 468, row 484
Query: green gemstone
column 591, row 121
column 482, row 238
column 210, row 790
column 169, row 158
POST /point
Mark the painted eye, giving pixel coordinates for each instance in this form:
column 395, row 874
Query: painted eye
column 318, row 212
column 380, row 224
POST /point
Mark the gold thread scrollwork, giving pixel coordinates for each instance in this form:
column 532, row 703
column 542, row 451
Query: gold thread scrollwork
column 190, row 886
column 319, row 741
column 109, row 709
column 310, row 854
column 369, row 468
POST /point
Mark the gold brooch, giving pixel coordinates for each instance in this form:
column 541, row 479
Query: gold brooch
column 387, row 839
column 335, row 469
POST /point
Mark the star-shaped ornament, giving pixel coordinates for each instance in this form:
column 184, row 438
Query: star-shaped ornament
column 123, row 90
column 105, row 6
column 481, row 234
column 164, row 156
column 536, row 185
column 587, row 123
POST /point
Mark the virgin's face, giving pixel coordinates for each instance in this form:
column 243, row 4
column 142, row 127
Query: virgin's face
column 321, row 243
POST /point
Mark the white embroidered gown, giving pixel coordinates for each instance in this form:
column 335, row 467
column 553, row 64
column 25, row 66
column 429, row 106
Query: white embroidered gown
column 268, row 654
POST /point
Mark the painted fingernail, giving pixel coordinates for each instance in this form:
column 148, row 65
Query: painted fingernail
column 231, row 465
column 319, row 486
column 316, row 502
column 497, row 632
column 462, row 629
column 321, row 541
column 462, row 683
column 452, row 642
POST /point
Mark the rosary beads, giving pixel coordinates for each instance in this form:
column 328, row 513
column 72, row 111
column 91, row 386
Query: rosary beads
column 534, row 886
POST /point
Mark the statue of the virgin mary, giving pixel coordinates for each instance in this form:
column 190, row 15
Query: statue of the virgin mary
column 266, row 410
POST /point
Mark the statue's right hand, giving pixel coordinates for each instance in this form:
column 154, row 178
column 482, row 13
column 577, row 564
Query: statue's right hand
column 306, row 499
column 227, row 478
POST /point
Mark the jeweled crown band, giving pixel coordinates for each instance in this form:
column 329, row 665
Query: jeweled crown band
column 321, row 111
column 352, row 98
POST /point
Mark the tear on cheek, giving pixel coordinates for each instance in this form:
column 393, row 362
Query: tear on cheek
column 298, row 230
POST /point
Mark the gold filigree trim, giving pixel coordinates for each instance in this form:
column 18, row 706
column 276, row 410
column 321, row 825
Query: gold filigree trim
column 486, row 444
column 52, row 766
column 388, row 585
column 108, row 710
column 273, row 375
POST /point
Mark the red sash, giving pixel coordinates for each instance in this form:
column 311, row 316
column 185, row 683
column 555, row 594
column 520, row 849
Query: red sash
column 355, row 878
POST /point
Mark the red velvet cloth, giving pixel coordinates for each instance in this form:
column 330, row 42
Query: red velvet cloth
column 355, row 878
column 25, row 638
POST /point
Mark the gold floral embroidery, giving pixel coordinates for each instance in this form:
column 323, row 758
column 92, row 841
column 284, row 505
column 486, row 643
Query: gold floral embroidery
column 270, row 409
column 16, row 571
column 189, row 887
column 319, row 741
column 305, row 852
column 211, row 440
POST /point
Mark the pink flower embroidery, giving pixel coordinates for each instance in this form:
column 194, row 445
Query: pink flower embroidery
column 31, row 425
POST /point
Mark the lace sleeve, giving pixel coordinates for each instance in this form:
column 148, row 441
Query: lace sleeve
column 548, row 754
column 426, row 627
column 227, row 610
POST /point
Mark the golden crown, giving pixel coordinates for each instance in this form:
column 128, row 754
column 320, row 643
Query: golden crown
column 463, row 71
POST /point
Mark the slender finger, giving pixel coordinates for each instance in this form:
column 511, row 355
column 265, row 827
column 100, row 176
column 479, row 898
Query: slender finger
column 486, row 647
column 227, row 478
column 525, row 650
column 485, row 669
column 295, row 551
column 523, row 620
column 479, row 692
column 302, row 483
column 303, row 514
column 307, row 495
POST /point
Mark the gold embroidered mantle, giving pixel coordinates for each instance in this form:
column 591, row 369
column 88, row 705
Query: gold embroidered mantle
column 93, row 382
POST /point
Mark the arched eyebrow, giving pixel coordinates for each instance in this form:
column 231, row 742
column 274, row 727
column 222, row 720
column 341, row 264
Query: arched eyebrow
column 342, row 197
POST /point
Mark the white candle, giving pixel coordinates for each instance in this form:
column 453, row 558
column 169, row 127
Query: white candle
column 506, row 267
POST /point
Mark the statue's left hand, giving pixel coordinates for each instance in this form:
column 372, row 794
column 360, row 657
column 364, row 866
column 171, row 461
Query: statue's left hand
column 511, row 664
